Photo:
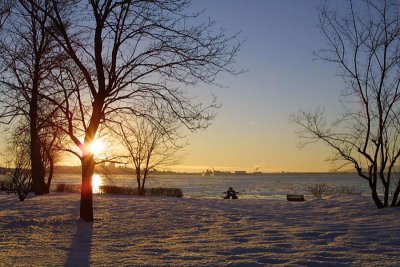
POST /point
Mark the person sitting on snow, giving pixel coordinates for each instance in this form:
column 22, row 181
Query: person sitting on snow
column 231, row 194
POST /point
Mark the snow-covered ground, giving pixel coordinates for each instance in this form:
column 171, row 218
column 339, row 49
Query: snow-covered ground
column 144, row 231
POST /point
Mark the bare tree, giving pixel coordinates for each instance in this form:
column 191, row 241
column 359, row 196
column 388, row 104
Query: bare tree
column 365, row 44
column 28, row 55
column 19, row 146
column 51, row 147
column 149, row 145
column 18, row 162
column 21, row 175
column 129, row 55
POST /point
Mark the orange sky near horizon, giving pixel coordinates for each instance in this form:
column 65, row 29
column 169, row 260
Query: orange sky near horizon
column 265, row 155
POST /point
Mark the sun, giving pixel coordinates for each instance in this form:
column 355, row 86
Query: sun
column 96, row 147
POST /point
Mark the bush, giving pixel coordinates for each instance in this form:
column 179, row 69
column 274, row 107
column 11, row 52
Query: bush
column 161, row 192
column 120, row 190
column 164, row 192
column 5, row 185
column 320, row 190
column 347, row 190
column 21, row 181
column 68, row 188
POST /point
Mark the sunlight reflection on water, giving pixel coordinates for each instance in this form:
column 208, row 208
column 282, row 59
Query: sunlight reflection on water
column 96, row 183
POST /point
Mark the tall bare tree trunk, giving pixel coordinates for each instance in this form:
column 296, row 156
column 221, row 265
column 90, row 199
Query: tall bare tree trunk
column 50, row 176
column 395, row 196
column 88, row 163
column 386, row 197
column 86, row 209
column 375, row 197
column 38, row 184
column 138, row 173
column 144, row 180
column 37, row 167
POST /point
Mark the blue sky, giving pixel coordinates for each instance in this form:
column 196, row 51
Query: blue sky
column 252, row 127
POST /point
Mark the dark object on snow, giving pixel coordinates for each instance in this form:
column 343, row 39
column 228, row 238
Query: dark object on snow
column 7, row 187
column 295, row 197
column 231, row 194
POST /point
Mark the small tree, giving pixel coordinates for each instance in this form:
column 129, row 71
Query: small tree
column 21, row 176
column 149, row 145
column 365, row 44
column 51, row 147
column 17, row 159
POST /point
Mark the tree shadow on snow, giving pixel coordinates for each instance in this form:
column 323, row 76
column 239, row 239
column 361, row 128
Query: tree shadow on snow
column 79, row 251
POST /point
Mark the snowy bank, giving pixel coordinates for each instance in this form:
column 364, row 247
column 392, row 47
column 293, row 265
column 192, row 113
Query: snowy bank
column 151, row 231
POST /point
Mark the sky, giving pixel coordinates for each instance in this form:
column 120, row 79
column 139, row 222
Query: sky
column 252, row 128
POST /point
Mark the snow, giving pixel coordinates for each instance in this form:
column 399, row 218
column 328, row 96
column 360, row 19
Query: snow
column 152, row 231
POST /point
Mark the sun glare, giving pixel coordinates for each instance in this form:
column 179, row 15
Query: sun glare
column 96, row 183
column 96, row 147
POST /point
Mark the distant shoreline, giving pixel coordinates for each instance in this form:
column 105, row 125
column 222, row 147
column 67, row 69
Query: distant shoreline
column 130, row 171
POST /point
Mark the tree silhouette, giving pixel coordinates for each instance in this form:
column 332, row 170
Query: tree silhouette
column 365, row 44
column 17, row 160
column 128, row 56
column 149, row 145
column 28, row 53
